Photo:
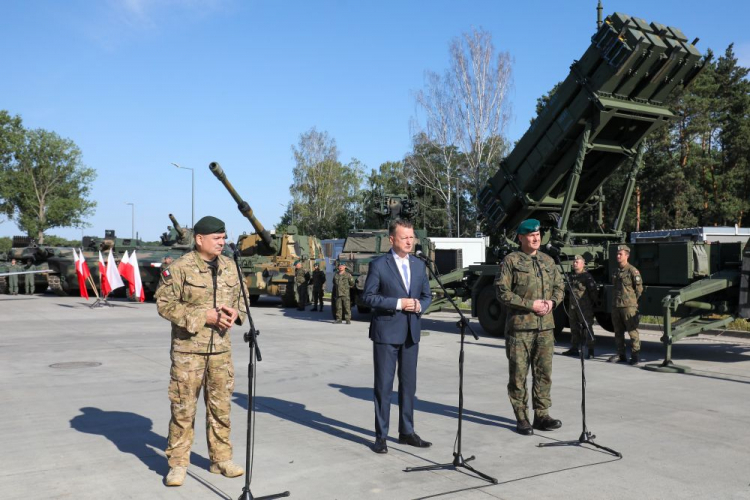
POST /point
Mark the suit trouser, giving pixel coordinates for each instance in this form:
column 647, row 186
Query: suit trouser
column 386, row 358
column 187, row 378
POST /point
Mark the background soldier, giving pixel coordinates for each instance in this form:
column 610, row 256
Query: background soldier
column 342, row 285
column 28, row 279
column 627, row 287
column 13, row 278
column 318, row 280
column 584, row 288
column 530, row 287
column 301, row 277
column 200, row 294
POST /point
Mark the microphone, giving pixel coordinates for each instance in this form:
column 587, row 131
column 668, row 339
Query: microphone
column 552, row 250
column 233, row 248
column 420, row 254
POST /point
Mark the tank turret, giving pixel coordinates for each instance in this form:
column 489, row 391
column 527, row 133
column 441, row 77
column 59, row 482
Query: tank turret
column 244, row 208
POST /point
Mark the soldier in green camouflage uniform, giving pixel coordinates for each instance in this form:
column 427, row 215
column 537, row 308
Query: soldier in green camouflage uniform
column 301, row 277
column 342, row 285
column 13, row 279
column 584, row 288
column 200, row 294
column 530, row 286
column 28, row 279
column 627, row 287
column 318, row 280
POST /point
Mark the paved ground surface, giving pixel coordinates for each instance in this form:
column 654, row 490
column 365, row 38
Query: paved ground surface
column 69, row 430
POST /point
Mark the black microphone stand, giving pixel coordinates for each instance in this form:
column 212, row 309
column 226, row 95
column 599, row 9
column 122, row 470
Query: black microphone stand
column 458, row 458
column 586, row 436
column 251, row 337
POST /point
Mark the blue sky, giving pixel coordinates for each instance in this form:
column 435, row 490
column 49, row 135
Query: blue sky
column 138, row 84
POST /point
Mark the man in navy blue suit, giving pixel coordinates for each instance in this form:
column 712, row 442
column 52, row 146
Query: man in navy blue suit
column 398, row 290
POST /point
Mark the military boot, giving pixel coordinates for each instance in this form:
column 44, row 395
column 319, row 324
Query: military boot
column 337, row 321
column 314, row 309
column 226, row 468
column 546, row 423
column 176, row 476
column 348, row 322
column 321, row 308
column 617, row 358
column 523, row 427
column 573, row 351
column 635, row 359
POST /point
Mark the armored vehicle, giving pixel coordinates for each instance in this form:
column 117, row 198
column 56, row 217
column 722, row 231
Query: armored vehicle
column 593, row 125
column 267, row 260
column 26, row 251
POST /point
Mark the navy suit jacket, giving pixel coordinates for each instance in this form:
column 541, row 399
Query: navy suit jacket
column 383, row 288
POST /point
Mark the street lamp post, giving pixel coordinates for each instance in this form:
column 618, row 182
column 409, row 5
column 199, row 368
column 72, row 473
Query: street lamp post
column 192, row 198
column 132, row 220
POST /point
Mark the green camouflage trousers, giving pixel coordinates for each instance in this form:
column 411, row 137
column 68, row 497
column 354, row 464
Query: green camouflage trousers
column 343, row 308
column 625, row 319
column 300, row 293
column 185, row 386
column 535, row 349
column 576, row 332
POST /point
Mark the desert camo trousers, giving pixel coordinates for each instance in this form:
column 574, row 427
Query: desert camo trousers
column 530, row 349
column 184, row 387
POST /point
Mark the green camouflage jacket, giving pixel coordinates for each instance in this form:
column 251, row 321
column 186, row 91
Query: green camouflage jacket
column 342, row 282
column 186, row 293
column 584, row 288
column 300, row 276
column 522, row 279
column 627, row 286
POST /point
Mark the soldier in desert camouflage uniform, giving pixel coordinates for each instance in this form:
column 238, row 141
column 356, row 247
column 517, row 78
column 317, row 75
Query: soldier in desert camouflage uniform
column 530, row 286
column 200, row 294
column 343, row 282
column 301, row 277
column 627, row 287
column 584, row 288
column 318, row 280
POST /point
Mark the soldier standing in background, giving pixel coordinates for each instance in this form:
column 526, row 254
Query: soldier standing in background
column 318, row 280
column 342, row 285
column 200, row 294
column 627, row 287
column 28, row 279
column 13, row 278
column 530, row 286
column 584, row 288
column 301, row 277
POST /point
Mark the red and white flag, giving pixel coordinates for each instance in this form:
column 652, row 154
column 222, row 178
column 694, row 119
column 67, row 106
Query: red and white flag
column 85, row 267
column 126, row 271
column 103, row 276
column 137, row 291
column 114, row 281
column 79, row 273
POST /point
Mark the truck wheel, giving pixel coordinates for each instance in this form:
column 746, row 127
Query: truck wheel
column 254, row 299
column 490, row 312
column 605, row 321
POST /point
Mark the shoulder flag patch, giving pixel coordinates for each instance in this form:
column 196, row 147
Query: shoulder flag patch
column 166, row 275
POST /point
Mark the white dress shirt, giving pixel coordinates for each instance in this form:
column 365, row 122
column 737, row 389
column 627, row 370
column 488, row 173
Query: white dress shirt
column 405, row 278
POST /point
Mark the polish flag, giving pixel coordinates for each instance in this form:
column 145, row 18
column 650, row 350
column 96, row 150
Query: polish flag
column 103, row 276
column 126, row 271
column 79, row 273
column 137, row 288
column 84, row 267
column 114, row 281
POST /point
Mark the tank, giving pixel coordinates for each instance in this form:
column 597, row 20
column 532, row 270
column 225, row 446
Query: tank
column 267, row 260
column 26, row 251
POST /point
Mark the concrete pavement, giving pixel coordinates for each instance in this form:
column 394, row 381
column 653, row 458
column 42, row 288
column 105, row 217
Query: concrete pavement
column 85, row 415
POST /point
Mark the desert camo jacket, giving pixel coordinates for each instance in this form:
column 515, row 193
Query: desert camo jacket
column 627, row 286
column 522, row 279
column 185, row 295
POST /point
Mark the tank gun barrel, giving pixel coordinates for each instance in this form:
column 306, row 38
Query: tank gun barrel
column 176, row 224
column 242, row 205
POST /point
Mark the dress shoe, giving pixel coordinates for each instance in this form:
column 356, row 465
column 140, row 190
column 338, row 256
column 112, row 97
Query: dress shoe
column 571, row 352
column 617, row 358
column 523, row 427
column 634, row 359
column 380, row 446
column 591, row 353
column 176, row 476
column 413, row 440
column 546, row 423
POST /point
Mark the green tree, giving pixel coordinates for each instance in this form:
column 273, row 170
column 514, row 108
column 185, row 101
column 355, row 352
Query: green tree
column 325, row 192
column 11, row 140
column 47, row 185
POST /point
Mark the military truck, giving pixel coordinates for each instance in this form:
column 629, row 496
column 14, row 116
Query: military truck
column 594, row 125
column 267, row 260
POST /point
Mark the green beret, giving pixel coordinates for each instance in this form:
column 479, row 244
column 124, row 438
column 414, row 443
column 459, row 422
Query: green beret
column 623, row 247
column 209, row 225
column 528, row 226
column 317, row 265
